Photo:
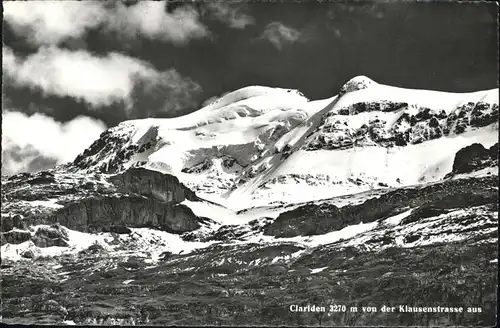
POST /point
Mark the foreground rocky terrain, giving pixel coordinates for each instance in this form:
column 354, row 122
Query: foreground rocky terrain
column 372, row 198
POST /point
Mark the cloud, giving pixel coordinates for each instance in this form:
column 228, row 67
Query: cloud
column 16, row 160
column 96, row 80
column 51, row 22
column 150, row 19
column 162, row 93
column 279, row 34
column 230, row 15
column 37, row 142
column 100, row 80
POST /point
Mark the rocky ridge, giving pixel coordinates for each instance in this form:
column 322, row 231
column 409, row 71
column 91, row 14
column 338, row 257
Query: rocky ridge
column 93, row 203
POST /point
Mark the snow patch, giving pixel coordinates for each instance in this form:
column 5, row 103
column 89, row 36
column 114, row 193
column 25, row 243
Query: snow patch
column 396, row 219
column 218, row 213
column 479, row 173
column 50, row 203
column 345, row 233
column 313, row 271
column 142, row 240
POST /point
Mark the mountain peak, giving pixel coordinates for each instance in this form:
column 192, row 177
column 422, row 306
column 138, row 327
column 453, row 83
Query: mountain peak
column 256, row 145
column 254, row 91
column 357, row 83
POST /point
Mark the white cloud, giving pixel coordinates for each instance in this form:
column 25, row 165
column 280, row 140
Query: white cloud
column 51, row 22
column 279, row 34
column 229, row 14
column 161, row 93
column 149, row 19
column 99, row 81
column 38, row 141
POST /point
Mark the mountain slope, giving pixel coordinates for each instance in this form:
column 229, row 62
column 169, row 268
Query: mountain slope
column 261, row 201
column 258, row 145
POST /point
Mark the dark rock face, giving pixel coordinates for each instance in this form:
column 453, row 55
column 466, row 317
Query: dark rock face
column 28, row 254
column 319, row 219
column 108, row 142
column 198, row 168
column 100, row 214
column 475, row 157
column 93, row 249
column 377, row 132
column 427, row 124
column 53, row 236
column 384, row 106
column 424, row 131
column 481, row 114
column 228, row 233
column 253, row 171
column 332, row 135
column 424, row 211
column 113, row 149
column 228, row 162
column 42, row 178
column 119, row 229
column 135, row 198
column 163, row 187
column 15, row 237
column 10, row 222
column 278, row 132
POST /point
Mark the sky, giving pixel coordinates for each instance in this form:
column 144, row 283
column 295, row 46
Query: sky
column 72, row 69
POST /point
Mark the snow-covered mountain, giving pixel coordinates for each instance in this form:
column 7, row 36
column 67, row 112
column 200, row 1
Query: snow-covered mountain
column 261, row 200
column 258, row 146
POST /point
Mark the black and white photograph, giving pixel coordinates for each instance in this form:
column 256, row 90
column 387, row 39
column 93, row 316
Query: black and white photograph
column 249, row 163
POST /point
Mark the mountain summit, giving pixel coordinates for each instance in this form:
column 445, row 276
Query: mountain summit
column 259, row 145
column 357, row 83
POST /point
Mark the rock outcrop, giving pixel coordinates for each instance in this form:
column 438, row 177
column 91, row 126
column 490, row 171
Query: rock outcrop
column 100, row 214
column 335, row 133
column 50, row 236
column 15, row 237
column 316, row 219
column 96, row 203
column 113, row 148
column 475, row 157
column 163, row 187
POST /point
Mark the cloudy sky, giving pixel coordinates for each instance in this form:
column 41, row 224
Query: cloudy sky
column 72, row 69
